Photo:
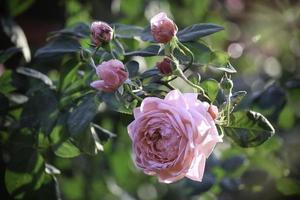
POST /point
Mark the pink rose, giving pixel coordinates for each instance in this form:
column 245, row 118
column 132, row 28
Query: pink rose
column 165, row 66
column 172, row 137
column 113, row 75
column 163, row 28
column 101, row 32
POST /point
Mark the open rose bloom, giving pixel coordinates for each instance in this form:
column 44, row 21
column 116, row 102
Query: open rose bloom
column 113, row 75
column 163, row 28
column 172, row 137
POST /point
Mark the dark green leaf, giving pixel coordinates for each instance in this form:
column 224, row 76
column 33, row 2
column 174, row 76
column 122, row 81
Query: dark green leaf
column 103, row 133
column 80, row 30
column 4, row 102
column 35, row 74
column 25, row 172
column 116, row 103
column 152, row 50
column 8, row 53
column 132, row 68
column 59, row 46
column 248, row 128
column 82, row 115
column 146, row 35
column 40, row 111
column 235, row 99
column 211, row 88
column 79, row 125
column 127, row 31
column 197, row 31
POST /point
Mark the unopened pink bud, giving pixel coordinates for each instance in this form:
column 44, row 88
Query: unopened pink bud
column 101, row 32
column 213, row 111
column 163, row 28
column 165, row 66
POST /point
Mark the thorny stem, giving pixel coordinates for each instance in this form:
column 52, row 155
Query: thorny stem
column 179, row 73
column 127, row 87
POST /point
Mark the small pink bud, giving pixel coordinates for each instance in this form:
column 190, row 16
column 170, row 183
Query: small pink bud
column 165, row 66
column 213, row 111
column 163, row 28
column 101, row 32
column 112, row 74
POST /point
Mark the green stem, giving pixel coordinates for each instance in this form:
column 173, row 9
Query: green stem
column 92, row 63
column 127, row 87
column 179, row 73
column 185, row 49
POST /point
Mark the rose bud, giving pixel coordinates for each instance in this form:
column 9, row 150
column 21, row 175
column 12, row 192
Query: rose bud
column 165, row 66
column 163, row 28
column 113, row 75
column 173, row 137
column 101, row 32
column 213, row 111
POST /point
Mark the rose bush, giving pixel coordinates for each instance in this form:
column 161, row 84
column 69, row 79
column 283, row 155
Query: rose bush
column 172, row 137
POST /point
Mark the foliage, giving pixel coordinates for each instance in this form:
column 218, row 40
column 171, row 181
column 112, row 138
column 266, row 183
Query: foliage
column 62, row 117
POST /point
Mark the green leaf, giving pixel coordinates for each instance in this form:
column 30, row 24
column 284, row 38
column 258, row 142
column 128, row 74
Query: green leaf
column 6, row 82
column 40, row 111
column 4, row 102
column 8, row 53
column 35, row 74
column 69, row 75
column 80, row 30
column 248, row 128
column 82, row 115
column 220, row 60
column 211, row 88
column 235, row 99
column 25, row 172
column 132, row 68
column 146, row 35
column 197, row 31
column 288, row 186
column 127, row 31
column 79, row 125
column 117, row 49
column 117, row 103
column 152, row 50
column 66, row 150
column 16, row 7
column 103, row 133
column 58, row 46
column 151, row 73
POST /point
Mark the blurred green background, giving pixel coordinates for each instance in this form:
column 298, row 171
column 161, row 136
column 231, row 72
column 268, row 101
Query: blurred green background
column 263, row 41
